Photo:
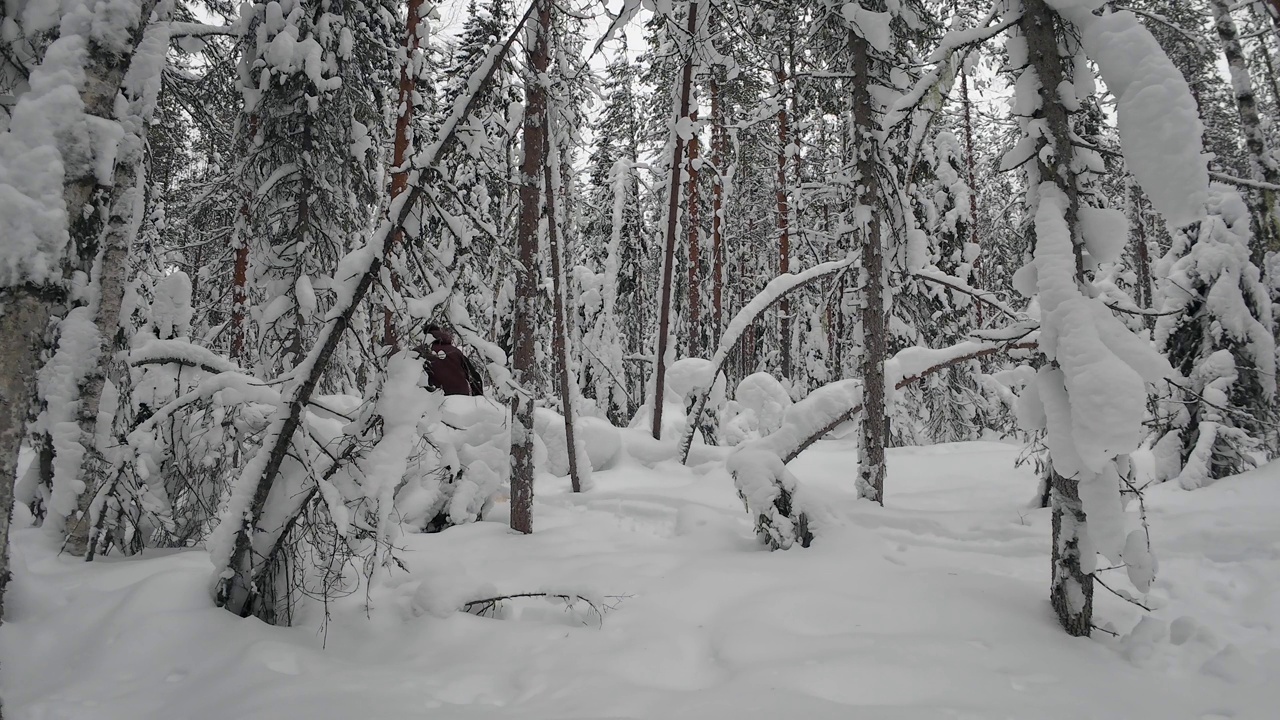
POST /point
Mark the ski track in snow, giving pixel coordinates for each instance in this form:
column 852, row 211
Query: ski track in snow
column 933, row 607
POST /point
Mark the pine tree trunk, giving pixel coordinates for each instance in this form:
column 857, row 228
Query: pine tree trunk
column 871, row 460
column 400, row 152
column 1263, row 167
column 524, row 364
column 691, row 201
column 783, row 219
column 240, row 271
column 717, row 213
column 673, row 219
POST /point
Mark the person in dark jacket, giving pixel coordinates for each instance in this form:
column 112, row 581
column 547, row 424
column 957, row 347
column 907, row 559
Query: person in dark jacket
column 448, row 369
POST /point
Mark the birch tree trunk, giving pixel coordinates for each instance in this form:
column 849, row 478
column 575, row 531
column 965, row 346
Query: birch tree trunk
column 1071, row 589
column 524, row 364
column 1262, row 166
column 99, row 469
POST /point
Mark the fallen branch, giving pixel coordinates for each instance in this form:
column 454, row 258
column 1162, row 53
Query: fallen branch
column 488, row 607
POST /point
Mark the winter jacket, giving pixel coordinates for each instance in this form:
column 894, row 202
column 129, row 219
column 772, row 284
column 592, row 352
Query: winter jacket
column 448, row 369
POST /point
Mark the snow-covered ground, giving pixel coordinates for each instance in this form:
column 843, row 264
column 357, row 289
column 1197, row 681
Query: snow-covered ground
column 934, row 607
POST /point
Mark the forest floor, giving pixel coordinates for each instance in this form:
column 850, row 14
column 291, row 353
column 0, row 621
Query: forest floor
column 932, row 607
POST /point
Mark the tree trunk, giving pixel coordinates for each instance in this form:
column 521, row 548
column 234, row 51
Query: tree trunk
column 127, row 196
column 970, row 161
column 673, row 219
column 784, row 219
column 524, row 364
column 1262, row 166
column 559, row 341
column 400, row 152
column 691, row 202
column 1071, row 592
column 1071, row 589
column 871, row 461
column 717, row 211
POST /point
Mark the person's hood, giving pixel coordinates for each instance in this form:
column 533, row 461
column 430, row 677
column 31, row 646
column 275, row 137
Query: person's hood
column 442, row 337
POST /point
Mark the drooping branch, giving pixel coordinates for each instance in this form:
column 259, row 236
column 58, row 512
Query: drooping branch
column 772, row 294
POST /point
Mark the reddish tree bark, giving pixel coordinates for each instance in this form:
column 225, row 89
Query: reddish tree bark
column 523, row 366
column 240, row 273
column 691, row 201
column 400, row 152
column 717, row 212
column 673, row 217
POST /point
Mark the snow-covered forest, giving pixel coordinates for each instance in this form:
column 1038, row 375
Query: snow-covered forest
column 822, row 357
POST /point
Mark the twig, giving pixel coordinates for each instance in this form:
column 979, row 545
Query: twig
column 1123, row 596
column 490, row 605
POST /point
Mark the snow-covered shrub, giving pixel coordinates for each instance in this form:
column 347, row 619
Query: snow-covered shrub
column 461, row 461
column 599, row 439
column 759, row 406
column 1216, row 330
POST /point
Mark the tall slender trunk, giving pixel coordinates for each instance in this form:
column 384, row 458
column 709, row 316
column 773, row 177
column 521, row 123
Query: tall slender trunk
column 970, row 178
column 560, row 345
column 1071, row 589
column 871, row 461
column 1142, row 254
column 784, row 217
column 400, row 151
column 673, row 218
column 1263, row 167
column 524, row 363
column 240, row 252
column 695, row 280
column 717, row 212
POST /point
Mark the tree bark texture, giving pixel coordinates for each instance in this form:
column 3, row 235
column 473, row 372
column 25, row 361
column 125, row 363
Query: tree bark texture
column 970, row 178
column 717, row 211
column 1071, row 589
column 673, row 220
column 694, row 324
column 784, row 217
column 533, row 166
column 559, row 341
column 98, row 469
column 871, row 460
column 400, row 151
